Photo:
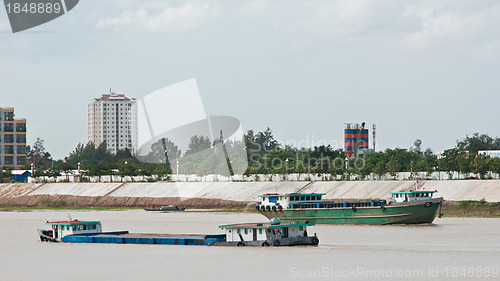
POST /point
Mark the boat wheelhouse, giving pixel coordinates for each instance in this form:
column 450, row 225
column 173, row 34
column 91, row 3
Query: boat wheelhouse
column 265, row 234
column 59, row 229
column 275, row 201
column 412, row 195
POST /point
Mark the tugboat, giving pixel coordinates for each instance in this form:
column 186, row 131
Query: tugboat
column 246, row 234
column 167, row 208
column 266, row 234
column 60, row 229
column 404, row 207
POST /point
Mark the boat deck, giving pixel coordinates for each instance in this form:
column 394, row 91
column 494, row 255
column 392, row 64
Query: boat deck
column 151, row 235
column 124, row 237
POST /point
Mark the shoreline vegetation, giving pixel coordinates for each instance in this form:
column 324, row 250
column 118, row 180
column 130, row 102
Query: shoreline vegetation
column 471, row 208
column 466, row 209
column 261, row 154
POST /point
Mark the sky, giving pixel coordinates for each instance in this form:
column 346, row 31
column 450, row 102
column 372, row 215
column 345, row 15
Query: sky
column 417, row 69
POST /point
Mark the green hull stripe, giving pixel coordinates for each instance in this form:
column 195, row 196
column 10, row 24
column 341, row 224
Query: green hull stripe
column 395, row 214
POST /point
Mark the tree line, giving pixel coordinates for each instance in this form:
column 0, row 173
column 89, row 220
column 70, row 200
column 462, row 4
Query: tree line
column 265, row 155
column 268, row 156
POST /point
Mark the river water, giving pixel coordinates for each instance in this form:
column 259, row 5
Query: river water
column 450, row 249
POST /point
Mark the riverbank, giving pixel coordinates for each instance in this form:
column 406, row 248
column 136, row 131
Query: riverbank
column 109, row 202
column 472, row 209
column 472, row 195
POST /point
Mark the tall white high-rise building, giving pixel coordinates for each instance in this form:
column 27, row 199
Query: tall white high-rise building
column 112, row 118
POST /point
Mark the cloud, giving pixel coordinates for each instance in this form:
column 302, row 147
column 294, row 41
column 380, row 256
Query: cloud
column 169, row 18
column 452, row 26
column 407, row 25
column 439, row 26
column 327, row 18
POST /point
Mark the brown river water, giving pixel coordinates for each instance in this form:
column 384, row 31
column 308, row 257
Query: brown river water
column 449, row 249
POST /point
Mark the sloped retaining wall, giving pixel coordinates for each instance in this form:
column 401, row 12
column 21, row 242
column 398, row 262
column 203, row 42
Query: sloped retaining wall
column 242, row 192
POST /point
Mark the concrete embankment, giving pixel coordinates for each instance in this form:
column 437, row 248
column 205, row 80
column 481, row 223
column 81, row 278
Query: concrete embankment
column 234, row 194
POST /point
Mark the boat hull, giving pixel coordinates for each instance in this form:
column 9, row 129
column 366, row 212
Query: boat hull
column 417, row 212
column 45, row 236
column 290, row 241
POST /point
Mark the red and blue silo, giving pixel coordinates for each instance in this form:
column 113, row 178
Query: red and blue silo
column 351, row 134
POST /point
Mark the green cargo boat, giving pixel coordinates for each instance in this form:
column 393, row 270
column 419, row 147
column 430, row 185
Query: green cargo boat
column 404, row 207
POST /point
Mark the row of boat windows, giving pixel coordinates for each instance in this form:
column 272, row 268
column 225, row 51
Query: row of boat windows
column 416, row 195
column 305, row 198
column 81, row 227
column 246, row 231
column 260, row 230
column 299, row 198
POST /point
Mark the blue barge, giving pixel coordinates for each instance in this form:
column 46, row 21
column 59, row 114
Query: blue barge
column 141, row 238
column 246, row 234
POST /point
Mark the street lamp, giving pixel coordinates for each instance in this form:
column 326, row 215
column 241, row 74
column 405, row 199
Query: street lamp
column 177, row 168
column 33, row 171
column 79, row 175
column 286, row 169
column 439, row 171
column 125, row 170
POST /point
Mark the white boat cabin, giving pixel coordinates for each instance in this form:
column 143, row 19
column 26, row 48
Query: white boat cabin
column 63, row 228
column 284, row 201
column 412, row 195
column 264, row 231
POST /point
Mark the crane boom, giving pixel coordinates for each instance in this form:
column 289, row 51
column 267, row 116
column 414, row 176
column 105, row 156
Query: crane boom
column 356, row 144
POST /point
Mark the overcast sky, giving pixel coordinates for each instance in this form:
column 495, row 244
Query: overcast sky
column 418, row 69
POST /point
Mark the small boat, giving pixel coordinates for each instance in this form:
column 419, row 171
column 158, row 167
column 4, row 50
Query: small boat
column 60, row 229
column 167, row 208
column 404, row 207
column 245, row 234
column 273, row 233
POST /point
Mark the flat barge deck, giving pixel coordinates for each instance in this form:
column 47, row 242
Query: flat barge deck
column 124, row 237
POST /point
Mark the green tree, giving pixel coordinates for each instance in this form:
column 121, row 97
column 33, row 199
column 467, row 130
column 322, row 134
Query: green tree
column 53, row 172
column 66, row 168
column 259, row 144
column 380, row 169
column 464, row 163
column 197, row 144
column 480, row 165
column 38, row 155
column 127, row 169
column 98, row 171
column 495, row 165
column 393, row 167
column 478, row 142
column 417, row 147
column 145, row 173
column 158, row 149
column 161, row 172
column 449, row 161
column 124, row 154
column 40, row 173
column 6, row 174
